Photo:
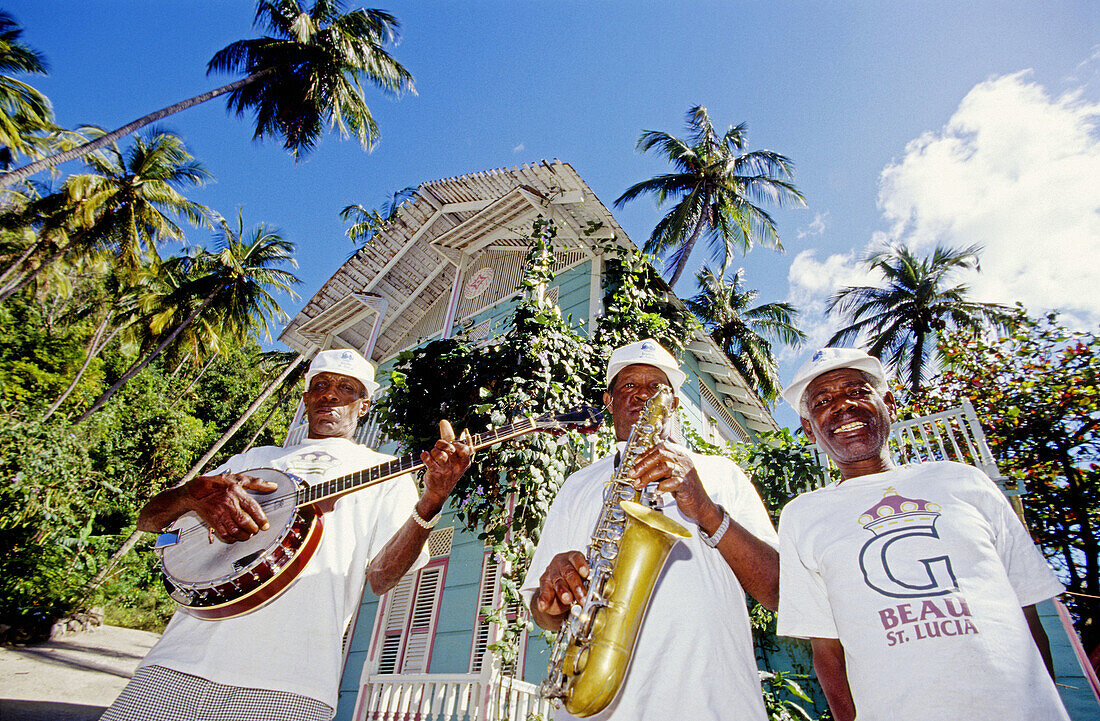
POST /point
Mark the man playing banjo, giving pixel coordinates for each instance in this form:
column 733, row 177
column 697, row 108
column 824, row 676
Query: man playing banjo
column 282, row 660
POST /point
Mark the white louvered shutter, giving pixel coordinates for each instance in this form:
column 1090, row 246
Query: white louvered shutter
column 425, row 611
column 398, row 603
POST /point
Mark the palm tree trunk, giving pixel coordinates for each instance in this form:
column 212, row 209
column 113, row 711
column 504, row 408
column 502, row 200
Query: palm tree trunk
column 20, row 174
column 93, row 350
column 271, row 414
column 138, row 366
column 690, row 244
column 30, row 275
column 232, row 430
column 916, row 363
column 117, row 556
column 209, row 362
column 20, row 260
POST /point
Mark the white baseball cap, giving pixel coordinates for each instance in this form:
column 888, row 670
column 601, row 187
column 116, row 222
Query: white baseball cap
column 646, row 352
column 346, row 362
column 830, row 359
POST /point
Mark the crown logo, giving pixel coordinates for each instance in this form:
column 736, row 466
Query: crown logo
column 894, row 511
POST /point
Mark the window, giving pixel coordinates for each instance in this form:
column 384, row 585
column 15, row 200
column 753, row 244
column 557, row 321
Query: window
column 408, row 613
column 490, row 594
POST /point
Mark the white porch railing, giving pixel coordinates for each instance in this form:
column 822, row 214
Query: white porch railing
column 485, row 696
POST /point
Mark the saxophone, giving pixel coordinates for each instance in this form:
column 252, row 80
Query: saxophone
column 629, row 546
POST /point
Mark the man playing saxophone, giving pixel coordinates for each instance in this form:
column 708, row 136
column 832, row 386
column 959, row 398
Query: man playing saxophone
column 694, row 656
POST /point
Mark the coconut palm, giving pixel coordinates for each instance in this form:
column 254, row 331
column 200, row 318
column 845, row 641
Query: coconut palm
column 121, row 208
column 901, row 320
column 305, row 73
column 745, row 332
column 366, row 221
column 229, row 288
column 25, row 113
column 719, row 186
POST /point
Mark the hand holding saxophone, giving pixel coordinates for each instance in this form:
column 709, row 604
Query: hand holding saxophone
column 563, row 583
column 669, row 466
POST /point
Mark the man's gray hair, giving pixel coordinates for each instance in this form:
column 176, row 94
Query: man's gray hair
column 872, row 380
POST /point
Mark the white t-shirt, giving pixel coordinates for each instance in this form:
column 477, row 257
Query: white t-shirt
column 694, row 655
column 920, row 572
column 293, row 643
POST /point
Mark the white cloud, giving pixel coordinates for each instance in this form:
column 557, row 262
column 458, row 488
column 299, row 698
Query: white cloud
column 816, row 226
column 812, row 283
column 1014, row 170
column 519, row 148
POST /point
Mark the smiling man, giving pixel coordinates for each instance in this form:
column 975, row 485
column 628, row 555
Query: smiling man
column 283, row 660
column 694, row 655
column 917, row 584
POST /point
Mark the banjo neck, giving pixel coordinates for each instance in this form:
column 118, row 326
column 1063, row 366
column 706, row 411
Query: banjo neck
column 357, row 481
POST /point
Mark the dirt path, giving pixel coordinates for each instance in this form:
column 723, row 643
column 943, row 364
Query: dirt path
column 71, row 678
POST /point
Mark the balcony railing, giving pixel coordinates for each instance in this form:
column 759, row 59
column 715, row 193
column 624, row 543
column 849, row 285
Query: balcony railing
column 485, row 696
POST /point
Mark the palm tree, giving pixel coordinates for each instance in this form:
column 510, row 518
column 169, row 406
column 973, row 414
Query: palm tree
column 902, row 319
column 25, row 113
column 304, row 74
column 117, row 306
column 366, row 222
column 745, row 333
column 121, row 208
column 227, row 288
column 719, row 187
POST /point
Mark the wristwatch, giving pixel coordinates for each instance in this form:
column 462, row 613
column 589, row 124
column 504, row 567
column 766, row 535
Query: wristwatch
column 712, row 541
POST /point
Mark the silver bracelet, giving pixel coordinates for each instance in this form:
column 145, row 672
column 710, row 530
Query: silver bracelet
column 712, row 541
column 425, row 524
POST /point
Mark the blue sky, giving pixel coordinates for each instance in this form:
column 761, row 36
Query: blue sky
column 920, row 122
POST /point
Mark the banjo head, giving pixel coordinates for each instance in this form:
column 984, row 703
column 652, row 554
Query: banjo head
column 199, row 560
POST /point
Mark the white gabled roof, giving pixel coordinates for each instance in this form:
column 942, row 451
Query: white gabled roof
column 393, row 283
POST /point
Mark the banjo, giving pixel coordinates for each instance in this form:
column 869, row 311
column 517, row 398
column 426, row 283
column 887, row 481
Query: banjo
column 213, row 580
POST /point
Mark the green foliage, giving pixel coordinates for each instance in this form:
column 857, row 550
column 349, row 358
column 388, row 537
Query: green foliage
column 133, row 595
column 780, row 693
column 782, row 467
column 38, row 354
column 1036, row 391
column 71, row 494
column 637, row 305
column 48, row 493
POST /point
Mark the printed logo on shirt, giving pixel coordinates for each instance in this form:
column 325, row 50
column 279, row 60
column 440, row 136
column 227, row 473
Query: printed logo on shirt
column 891, row 561
column 900, row 561
column 314, row 462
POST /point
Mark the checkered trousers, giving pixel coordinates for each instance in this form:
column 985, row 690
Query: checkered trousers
column 161, row 694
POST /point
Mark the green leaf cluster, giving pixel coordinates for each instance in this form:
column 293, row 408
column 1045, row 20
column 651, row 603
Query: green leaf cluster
column 69, row 494
column 1036, row 391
